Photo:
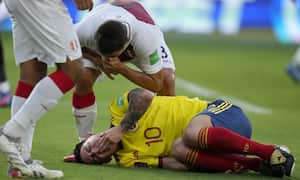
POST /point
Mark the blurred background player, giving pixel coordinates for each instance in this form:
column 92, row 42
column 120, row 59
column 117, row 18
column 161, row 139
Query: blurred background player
column 293, row 69
column 5, row 95
column 39, row 43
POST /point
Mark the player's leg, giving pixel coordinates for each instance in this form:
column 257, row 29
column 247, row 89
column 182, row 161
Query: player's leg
column 293, row 69
column 84, row 106
column 224, row 127
column 5, row 95
column 31, row 72
column 50, row 42
column 201, row 160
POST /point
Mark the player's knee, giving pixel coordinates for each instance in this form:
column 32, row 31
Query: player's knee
column 84, row 84
column 189, row 135
column 178, row 149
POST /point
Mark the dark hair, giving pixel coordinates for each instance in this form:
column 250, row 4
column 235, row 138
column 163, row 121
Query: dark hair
column 76, row 152
column 111, row 36
column 78, row 158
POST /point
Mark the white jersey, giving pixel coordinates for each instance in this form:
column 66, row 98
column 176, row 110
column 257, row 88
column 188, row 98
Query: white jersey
column 152, row 53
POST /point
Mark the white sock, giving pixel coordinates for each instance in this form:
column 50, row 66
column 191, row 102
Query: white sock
column 26, row 139
column 296, row 58
column 4, row 87
column 42, row 99
column 85, row 119
column 16, row 104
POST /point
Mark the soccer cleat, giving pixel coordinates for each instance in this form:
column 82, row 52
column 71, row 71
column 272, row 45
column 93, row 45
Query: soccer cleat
column 13, row 156
column 5, row 99
column 282, row 156
column 289, row 164
column 274, row 171
column 294, row 72
column 39, row 171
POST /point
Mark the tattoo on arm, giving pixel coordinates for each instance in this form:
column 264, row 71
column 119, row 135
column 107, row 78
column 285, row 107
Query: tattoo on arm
column 139, row 101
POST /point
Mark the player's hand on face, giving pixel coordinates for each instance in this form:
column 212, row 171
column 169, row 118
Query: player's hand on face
column 114, row 65
column 84, row 4
column 109, row 137
column 106, row 67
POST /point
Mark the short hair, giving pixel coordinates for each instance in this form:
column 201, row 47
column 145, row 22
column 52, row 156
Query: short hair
column 76, row 152
column 111, row 36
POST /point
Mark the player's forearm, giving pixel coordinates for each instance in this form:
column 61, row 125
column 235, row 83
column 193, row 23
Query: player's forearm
column 154, row 84
column 138, row 105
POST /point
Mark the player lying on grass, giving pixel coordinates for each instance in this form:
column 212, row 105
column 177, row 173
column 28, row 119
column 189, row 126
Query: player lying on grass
column 181, row 133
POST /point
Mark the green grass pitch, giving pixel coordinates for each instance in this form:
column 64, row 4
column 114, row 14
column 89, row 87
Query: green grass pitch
column 250, row 67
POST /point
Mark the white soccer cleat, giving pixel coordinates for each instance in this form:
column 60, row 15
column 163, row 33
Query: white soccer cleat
column 13, row 156
column 40, row 171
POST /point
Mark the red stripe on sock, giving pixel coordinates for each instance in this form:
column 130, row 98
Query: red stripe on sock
column 62, row 81
column 221, row 139
column 23, row 89
column 82, row 101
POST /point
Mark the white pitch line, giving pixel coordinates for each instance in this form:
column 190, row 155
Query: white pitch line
column 205, row 92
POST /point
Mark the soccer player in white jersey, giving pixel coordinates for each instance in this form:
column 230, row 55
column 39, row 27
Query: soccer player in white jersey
column 43, row 35
column 293, row 69
column 121, row 32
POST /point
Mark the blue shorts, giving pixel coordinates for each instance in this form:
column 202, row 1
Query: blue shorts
column 229, row 116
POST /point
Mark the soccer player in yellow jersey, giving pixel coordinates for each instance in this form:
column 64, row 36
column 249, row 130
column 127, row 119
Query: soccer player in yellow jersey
column 181, row 133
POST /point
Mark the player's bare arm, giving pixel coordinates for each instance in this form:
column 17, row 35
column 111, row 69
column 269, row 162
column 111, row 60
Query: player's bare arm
column 96, row 59
column 162, row 82
column 139, row 100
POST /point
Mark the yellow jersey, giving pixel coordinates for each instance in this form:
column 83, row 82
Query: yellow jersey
column 153, row 135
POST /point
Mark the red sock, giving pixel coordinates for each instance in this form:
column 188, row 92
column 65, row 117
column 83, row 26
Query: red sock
column 226, row 141
column 252, row 163
column 23, row 89
column 62, row 81
column 82, row 101
column 217, row 162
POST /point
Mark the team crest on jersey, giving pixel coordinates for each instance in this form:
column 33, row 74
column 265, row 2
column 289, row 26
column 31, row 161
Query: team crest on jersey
column 134, row 127
column 135, row 154
column 74, row 45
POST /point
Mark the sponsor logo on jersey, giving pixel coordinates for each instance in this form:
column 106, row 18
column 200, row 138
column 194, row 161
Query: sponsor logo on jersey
column 154, row 57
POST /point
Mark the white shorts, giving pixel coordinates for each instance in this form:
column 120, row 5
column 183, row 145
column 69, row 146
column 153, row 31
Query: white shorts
column 89, row 64
column 43, row 29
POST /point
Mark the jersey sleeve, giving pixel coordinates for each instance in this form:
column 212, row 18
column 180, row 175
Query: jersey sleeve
column 118, row 109
column 147, row 43
column 151, row 63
